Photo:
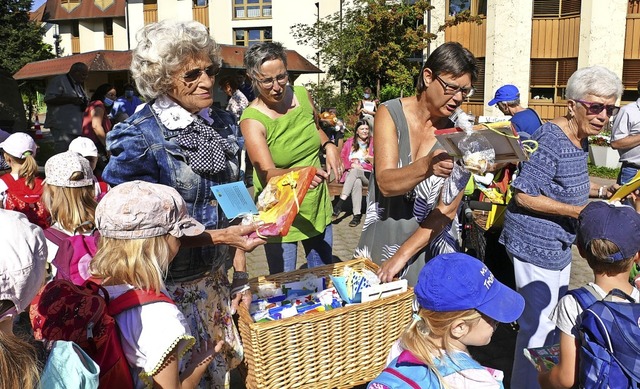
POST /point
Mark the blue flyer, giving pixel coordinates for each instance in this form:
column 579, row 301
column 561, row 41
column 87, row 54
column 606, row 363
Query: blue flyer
column 234, row 199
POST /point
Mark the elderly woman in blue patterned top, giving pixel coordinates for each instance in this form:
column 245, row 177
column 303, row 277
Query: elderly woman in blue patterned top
column 549, row 193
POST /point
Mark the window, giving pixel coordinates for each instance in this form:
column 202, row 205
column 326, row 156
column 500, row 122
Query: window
column 477, row 7
column 630, row 78
column 549, row 77
column 69, row 5
column 556, row 8
column 478, row 95
column 251, row 9
column 251, row 36
column 107, row 25
column 75, row 28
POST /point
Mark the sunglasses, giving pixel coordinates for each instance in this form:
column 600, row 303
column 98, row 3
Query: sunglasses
column 451, row 89
column 596, row 108
column 194, row 74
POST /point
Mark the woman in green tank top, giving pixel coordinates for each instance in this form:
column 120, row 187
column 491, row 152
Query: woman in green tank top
column 281, row 134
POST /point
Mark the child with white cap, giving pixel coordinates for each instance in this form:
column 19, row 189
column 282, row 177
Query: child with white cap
column 140, row 225
column 70, row 198
column 21, row 188
column 22, row 272
column 461, row 304
column 85, row 147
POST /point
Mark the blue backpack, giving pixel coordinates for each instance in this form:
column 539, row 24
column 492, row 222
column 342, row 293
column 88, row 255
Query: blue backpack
column 609, row 340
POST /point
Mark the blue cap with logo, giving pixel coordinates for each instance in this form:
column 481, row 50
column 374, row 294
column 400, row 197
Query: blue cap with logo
column 457, row 282
column 618, row 224
column 505, row 93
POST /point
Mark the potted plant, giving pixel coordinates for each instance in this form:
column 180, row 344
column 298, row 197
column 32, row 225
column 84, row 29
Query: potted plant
column 600, row 151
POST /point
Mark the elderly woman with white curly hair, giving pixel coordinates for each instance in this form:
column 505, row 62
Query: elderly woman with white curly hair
column 174, row 141
column 549, row 193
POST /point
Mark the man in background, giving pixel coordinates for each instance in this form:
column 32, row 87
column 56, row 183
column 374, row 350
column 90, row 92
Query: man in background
column 66, row 101
column 625, row 137
column 525, row 120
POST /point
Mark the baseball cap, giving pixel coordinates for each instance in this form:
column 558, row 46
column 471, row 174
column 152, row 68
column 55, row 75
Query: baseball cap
column 505, row 93
column 139, row 209
column 84, row 146
column 59, row 169
column 457, row 282
column 618, row 224
column 23, row 259
column 18, row 145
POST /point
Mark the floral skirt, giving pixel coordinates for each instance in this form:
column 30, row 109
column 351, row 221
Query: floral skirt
column 205, row 304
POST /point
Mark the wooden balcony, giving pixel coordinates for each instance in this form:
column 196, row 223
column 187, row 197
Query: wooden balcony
column 470, row 35
column 150, row 13
column 108, row 42
column 201, row 14
column 632, row 37
column 75, row 45
column 555, row 37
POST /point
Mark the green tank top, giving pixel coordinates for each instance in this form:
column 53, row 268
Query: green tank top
column 293, row 141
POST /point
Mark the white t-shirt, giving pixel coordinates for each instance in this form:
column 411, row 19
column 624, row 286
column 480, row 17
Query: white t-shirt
column 566, row 314
column 148, row 333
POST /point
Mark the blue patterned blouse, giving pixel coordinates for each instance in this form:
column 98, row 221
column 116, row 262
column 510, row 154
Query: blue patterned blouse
column 558, row 170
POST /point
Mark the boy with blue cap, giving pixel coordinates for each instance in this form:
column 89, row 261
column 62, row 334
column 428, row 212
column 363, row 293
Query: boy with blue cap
column 526, row 120
column 608, row 239
column 461, row 304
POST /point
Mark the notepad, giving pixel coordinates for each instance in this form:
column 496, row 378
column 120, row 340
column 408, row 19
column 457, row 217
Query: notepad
column 626, row 189
column 234, row 199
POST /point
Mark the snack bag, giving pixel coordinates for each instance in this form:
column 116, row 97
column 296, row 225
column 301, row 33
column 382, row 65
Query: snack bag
column 279, row 202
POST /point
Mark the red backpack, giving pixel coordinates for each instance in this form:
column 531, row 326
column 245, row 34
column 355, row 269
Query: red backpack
column 73, row 255
column 64, row 311
column 23, row 199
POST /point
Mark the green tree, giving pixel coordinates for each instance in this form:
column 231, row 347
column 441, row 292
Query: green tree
column 21, row 38
column 375, row 43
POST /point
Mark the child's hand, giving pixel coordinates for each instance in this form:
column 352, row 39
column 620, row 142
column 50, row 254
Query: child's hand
column 205, row 355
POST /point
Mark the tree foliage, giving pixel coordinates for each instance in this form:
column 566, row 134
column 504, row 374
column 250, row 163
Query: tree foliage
column 374, row 44
column 21, row 39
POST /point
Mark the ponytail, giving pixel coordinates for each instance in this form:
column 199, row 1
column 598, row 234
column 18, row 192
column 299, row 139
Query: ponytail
column 29, row 170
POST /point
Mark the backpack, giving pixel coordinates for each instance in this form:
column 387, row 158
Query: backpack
column 609, row 340
column 64, row 311
column 417, row 376
column 21, row 198
column 73, row 255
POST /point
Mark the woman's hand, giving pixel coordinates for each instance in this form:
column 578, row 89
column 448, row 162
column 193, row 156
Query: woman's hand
column 237, row 236
column 390, row 268
column 440, row 164
column 319, row 178
column 333, row 161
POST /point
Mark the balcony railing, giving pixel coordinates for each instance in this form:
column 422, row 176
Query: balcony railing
column 108, row 42
column 201, row 14
column 75, row 45
column 150, row 13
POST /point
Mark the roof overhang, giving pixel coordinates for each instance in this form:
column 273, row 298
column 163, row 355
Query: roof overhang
column 113, row 61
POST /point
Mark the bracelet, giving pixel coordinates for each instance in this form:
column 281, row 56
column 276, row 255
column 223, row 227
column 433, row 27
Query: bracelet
column 324, row 145
column 240, row 275
column 601, row 192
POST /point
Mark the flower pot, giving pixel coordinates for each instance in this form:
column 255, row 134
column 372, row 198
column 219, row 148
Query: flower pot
column 604, row 156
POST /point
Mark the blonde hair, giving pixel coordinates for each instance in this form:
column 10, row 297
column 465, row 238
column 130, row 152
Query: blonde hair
column 72, row 208
column 430, row 333
column 28, row 167
column 19, row 364
column 142, row 263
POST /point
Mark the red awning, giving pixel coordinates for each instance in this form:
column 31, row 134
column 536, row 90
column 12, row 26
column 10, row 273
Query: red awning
column 114, row 61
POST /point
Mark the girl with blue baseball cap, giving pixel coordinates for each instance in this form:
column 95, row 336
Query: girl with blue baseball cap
column 461, row 304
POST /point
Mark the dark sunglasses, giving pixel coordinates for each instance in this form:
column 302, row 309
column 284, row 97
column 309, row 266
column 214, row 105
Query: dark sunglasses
column 596, row 108
column 194, row 74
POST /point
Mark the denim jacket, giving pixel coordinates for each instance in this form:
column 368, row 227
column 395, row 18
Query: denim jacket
column 142, row 148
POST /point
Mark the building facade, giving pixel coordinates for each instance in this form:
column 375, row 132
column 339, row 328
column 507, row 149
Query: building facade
column 533, row 44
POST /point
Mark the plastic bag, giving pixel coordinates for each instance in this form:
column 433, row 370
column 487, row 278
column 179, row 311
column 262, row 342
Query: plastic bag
column 477, row 152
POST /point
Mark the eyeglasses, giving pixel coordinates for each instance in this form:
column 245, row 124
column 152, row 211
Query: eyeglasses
column 194, row 74
column 596, row 108
column 267, row 83
column 451, row 89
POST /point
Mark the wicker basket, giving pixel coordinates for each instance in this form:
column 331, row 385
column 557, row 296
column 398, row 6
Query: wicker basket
column 339, row 348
